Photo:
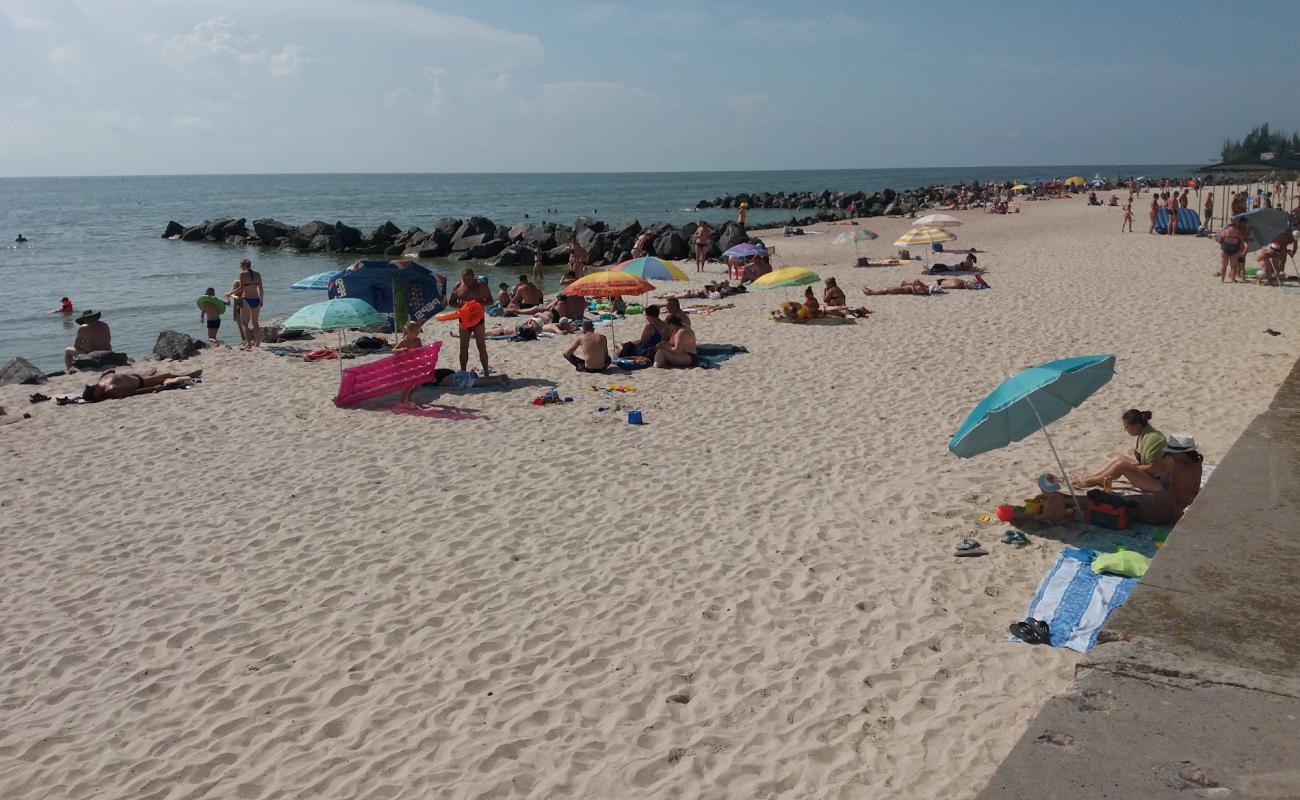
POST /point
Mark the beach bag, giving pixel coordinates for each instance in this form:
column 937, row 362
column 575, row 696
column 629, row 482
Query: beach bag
column 1106, row 510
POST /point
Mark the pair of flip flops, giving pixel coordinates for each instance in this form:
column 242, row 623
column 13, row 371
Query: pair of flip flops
column 1031, row 631
column 969, row 548
column 1015, row 537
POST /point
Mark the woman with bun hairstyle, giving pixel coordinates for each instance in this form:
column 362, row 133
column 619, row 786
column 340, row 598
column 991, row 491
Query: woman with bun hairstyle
column 1148, row 449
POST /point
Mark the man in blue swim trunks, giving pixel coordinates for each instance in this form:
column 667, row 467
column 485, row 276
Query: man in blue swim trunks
column 249, row 289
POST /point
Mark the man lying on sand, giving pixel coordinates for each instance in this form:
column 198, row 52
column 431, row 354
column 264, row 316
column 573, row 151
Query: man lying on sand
column 919, row 287
column 453, row 379
column 114, row 385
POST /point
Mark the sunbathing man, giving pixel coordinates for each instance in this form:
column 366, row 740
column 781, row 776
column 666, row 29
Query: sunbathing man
column 679, row 348
column 458, row 380
column 594, row 347
column 977, row 282
column 114, row 385
column 526, row 297
column 916, row 287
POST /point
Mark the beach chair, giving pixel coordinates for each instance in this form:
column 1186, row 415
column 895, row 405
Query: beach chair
column 394, row 373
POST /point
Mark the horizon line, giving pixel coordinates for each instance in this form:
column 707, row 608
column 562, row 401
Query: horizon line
column 577, row 172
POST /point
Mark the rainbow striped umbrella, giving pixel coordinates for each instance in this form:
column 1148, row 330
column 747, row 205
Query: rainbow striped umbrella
column 651, row 268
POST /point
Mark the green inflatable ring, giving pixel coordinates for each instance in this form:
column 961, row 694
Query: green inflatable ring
column 208, row 299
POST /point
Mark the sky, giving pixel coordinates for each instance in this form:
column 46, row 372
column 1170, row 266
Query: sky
column 128, row 87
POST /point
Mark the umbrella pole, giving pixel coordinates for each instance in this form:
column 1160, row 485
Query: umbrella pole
column 1065, row 476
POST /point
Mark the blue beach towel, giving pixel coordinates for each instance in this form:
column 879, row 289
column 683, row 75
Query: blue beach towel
column 1075, row 602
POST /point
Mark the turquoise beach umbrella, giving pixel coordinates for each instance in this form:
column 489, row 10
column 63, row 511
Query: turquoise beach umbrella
column 321, row 280
column 1028, row 402
column 334, row 315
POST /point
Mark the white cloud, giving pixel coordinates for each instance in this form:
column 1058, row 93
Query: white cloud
column 221, row 38
column 287, row 61
column 23, row 17
column 194, row 124
column 437, row 93
column 66, row 63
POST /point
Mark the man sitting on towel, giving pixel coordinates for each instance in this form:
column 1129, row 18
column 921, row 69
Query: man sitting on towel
column 594, row 347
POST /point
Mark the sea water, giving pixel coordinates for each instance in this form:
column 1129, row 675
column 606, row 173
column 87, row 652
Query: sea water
column 97, row 240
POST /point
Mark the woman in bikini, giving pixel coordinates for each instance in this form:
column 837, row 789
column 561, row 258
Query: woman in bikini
column 1232, row 243
column 251, row 293
column 1128, row 217
column 1155, row 206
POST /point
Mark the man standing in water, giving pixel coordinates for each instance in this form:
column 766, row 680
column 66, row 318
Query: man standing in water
column 703, row 238
column 251, row 293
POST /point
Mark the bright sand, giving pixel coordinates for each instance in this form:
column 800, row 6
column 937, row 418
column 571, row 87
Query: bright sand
column 239, row 590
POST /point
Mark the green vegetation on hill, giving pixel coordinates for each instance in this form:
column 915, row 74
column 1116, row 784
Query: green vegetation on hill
column 1261, row 140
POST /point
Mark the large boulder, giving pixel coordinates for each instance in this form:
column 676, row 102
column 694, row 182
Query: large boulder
column 516, row 255
column 463, row 243
column 176, row 346
column 387, row 231
column 348, row 235
column 324, row 243
column 558, row 255
column 268, row 230
column 173, row 228
column 447, row 227
column 193, row 233
column 474, row 226
column 539, row 236
column 732, row 234
column 672, row 246
column 313, row 229
column 20, row 370
column 626, row 229
column 214, row 230
column 99, row 359
column 484, row 250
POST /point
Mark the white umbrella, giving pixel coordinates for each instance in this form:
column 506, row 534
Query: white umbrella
column 938, row 221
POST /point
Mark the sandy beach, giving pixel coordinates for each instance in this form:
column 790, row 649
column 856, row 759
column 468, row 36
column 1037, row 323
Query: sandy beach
column 239, row 590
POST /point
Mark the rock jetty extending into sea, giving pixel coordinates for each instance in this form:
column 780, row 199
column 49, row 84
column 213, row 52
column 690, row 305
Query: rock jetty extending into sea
column 836, row 205
column 470, row 239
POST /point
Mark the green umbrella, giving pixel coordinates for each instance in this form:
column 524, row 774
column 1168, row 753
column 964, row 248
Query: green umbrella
column 335, row 315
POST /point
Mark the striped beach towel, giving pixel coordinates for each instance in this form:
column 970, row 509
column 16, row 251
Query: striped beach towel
column 1075, row 602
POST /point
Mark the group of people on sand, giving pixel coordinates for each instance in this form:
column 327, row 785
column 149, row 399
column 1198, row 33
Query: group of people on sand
column 1234, row 241
column 1163, row 472
column 245, row 299
column 666, row 340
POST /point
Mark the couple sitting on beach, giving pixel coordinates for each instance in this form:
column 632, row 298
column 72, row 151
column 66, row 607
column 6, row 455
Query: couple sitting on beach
column 1166, row 471
column 668, row 343
column 832, row 304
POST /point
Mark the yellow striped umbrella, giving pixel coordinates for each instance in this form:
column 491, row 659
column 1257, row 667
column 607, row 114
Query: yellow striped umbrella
column 788, row 276
column 924, row 234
